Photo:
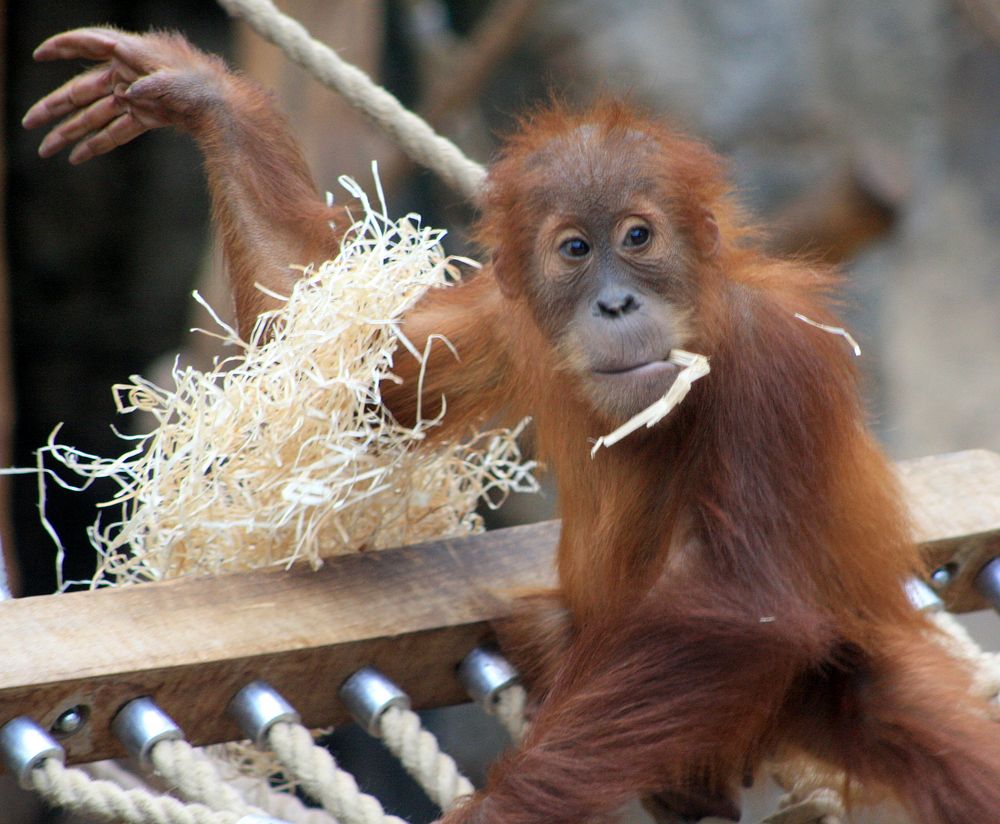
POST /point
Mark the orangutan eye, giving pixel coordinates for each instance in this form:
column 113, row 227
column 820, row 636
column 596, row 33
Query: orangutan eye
column 575, row 247
column 637, row 236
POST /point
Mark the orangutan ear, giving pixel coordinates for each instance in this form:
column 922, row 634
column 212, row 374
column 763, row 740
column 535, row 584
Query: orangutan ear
column 707, row 237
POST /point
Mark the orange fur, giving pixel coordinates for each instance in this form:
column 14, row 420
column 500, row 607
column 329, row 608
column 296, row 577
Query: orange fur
column 730, row 580
column 735, row 566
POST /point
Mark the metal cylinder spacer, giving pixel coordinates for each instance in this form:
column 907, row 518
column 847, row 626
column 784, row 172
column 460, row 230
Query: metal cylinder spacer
column 485, row 673
column 258, row 707
column 260, row 819
column 368, row 694
column 922, row 596
column 988, row 583
column 25, row 745
column 140, row 725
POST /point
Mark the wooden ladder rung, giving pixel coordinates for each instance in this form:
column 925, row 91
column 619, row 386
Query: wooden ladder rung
column 412, row 612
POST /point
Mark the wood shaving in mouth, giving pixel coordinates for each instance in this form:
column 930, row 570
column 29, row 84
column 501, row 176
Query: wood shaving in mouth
column 694, row 367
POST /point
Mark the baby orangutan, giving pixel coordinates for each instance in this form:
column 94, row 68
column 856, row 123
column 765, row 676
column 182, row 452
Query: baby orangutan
column 730, row 580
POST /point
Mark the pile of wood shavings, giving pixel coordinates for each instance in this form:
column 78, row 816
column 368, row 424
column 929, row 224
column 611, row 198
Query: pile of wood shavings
column 284, row 452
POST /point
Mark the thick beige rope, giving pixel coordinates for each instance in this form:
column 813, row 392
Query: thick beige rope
column 106, row 801
column 510, row 711
column 318, row 774
column 195, row 777
column 200, row 776
column 418, row 751
column 413, row 135
column 117, row 773
column 284, row 805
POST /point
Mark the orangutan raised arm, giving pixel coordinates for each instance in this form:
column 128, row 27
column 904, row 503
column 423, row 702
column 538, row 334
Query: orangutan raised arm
column 265, row 203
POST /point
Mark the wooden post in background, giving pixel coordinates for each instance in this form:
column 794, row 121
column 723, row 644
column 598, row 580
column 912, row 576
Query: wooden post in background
column 9, row 580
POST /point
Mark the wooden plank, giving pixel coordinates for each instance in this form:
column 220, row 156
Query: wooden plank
column 192, row 643
column 413, row 612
